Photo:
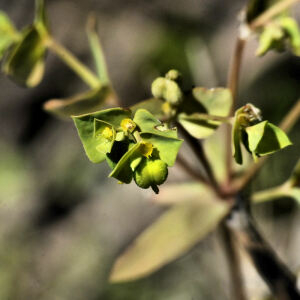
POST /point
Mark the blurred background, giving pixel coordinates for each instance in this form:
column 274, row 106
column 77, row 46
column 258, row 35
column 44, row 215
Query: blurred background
column 62, row 221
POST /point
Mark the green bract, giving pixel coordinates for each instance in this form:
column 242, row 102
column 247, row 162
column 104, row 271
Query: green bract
column 259, row 138
column 140, row 147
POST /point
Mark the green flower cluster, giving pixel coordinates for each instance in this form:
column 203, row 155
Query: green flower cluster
column 136, row 147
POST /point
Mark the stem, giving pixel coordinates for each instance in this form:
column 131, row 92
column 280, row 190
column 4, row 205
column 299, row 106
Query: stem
column 271, row 12
column 200, row 154
column 190, row 170
column 213, row 118
column 269, row 194
column 234, row 263
column 69, row 59
column 232, row 84
column 287, row 124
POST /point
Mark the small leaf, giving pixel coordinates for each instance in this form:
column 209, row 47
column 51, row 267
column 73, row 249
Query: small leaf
column 170, row 236
column 215, row 102
column 265, row 138
column 123, row 170
column 25, row 63
column 85, row 128
column 167, row 147
column 8, row 33
column 153, row 105
column 83, row 103
column 148, row 123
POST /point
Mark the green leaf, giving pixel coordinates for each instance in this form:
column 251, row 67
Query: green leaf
column 292, row 30
column 265, row 138
column 167, row 147
column 153, row 105
column 85, row 128
column 97, row 51
column 123, row 170
column 83, row 103
column 8, row 33
column 170, row 236
column 25, row 63
column 105, row 134
column 148, row 123
column 216, row 102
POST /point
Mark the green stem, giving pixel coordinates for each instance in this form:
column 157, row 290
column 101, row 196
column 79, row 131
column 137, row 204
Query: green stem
column 274, row 10
column 269, row 194
column 69, row 59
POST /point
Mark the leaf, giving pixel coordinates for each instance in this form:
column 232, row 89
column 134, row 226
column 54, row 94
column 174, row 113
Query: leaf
column 8, row 33
column 85, row 128
column 25, row 63
column 167, row 147
column 153, row 105
column 265, row 138
column 97, row 51
column 105, row 134
column 169, row 237
column 292, row 30
column 148, row 123
column 83, row 103
column 123, row 170
column 215, row 102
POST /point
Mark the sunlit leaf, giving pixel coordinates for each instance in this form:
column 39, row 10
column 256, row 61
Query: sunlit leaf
column 105, row 134
column 25, row 62
column 85, row 128
column 167, row 147
column 8, row 33
column 170, row 236
column 265, row 138
column 216, row 102
column 83, row 103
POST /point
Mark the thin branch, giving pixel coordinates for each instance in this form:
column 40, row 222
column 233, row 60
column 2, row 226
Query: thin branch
column 69, row 59
column 274, row 10
column 287, row 124
column 234, row 264
column 200, row 154
column 188, row 169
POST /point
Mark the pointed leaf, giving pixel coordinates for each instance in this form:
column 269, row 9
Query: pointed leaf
column 8, row 33
column 167, row 147
column 123, row 170
column 25, row 63
column 105, row 134
column 170, row 236
column 255, row 134
column 85, row 128
column 83, row 103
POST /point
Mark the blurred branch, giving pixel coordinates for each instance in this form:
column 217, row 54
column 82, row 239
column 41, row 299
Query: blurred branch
column 271, row 12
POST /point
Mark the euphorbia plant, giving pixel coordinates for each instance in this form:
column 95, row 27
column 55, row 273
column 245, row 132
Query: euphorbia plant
column 141, row 142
